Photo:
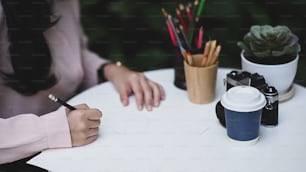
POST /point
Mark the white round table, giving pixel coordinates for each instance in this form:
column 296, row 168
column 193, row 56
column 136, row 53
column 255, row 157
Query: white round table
column 179, row 136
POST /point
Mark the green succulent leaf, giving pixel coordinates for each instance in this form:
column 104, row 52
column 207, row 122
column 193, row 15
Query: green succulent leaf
column 266, row 41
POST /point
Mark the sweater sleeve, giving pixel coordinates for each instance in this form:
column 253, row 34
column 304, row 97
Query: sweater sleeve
column 91, row 64
column 91, row 61
column 27, row 134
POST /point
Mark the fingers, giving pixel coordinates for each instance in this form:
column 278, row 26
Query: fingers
column 124, row 95
column 92, row 132
column 93, row 124
column 94, row 114
column 158, row 93
column 84, row 125
column 91, row 139
column 139, row 92
column 147, row 93
column 132, row 85
column 82, row 106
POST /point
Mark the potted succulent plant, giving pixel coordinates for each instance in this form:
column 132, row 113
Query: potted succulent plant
column 272, row 52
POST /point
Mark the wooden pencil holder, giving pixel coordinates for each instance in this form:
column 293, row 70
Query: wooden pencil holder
column 200, row 81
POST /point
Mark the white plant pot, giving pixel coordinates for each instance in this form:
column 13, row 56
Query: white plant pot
column 281, row 76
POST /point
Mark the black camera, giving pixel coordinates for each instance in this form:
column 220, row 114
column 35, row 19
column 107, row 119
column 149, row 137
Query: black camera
column 236, row 78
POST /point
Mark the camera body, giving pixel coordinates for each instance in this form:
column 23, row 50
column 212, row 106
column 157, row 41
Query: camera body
column 236, row 78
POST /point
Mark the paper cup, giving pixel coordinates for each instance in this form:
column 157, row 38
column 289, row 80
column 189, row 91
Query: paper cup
column 200, row 81
column 243, row 109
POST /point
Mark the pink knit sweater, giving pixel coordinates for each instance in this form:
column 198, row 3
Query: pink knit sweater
column 30, row 124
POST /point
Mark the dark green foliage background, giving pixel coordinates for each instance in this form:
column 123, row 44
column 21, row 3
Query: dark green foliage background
column 134, row 31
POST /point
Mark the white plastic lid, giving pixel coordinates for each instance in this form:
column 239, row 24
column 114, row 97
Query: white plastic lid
column 243, row 99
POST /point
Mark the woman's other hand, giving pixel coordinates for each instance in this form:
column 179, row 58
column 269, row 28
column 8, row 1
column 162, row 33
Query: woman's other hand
column 128, row 82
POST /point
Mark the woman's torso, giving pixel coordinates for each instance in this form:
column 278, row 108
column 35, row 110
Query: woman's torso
column 65, row 45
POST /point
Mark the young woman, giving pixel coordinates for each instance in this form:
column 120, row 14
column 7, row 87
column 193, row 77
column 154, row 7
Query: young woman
column 42, row 51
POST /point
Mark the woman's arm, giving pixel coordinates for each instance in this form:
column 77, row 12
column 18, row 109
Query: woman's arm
column 126, row 81
column 26, row 134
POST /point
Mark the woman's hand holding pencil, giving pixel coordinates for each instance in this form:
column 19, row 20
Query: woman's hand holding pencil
column 83, row 122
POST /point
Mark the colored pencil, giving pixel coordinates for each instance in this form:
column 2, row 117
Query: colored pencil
column 205, row 54
column 185, row 38
column 216, row 55
column 211, row 51
column 170, row 30
column 188, row 13
column 200, row 38
column 179, row 43
column 181, row 19
column 189, row 59
column 200, row 9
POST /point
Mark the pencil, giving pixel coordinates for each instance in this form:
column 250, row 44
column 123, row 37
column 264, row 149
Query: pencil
column 205, row 54
column 200, row 9
column 211, row 51
column 179, row 43
column 189, row 15
column 184, row 54
column 171, row 33
column 181, row 19
column 181, row 7
column 58, row 100
column 194, row 9
column 216, row 55
column 200, row 38
column 185, row 38
column 189, row 59
column 164, row 13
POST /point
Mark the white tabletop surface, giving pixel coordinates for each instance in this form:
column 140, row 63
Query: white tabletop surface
column 179, row 136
